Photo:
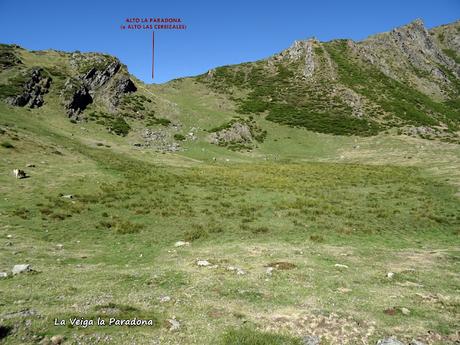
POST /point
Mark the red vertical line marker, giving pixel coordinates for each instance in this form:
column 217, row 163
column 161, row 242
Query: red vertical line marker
column 153, row 53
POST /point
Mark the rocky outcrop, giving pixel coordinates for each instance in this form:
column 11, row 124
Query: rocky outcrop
column 77, row 100
column 33, row 90
column 237, row 134
column 122, row 86
column 300, row 51
column 99, row 76
column 410, row 54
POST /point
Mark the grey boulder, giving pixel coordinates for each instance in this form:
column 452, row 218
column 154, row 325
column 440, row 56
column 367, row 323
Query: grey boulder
column 18, row 269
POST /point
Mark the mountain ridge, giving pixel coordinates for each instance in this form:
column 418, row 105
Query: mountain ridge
column 407, row 78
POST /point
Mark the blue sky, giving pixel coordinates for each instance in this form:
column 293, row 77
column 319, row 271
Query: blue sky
column 218, row 33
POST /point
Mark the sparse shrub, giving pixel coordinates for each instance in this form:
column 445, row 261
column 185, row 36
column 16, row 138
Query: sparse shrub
column 22, row 212
column 179, row 137
column 317, row 238
column 119, row 126
column 7, row 145
column 127, row 227
column 196, row 232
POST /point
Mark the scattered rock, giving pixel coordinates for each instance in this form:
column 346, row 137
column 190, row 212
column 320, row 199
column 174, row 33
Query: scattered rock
column 203, row 263
column 164, row 299
column 57, row 339
column 173, row 324
column 45, row 341
column 390, row 275
column 238, row 270
column 269, row 270
column 68, row 196
column 181, row 244
column 405, row 311
column 311, row 340
column 340, row 266
column 59, row 246
column 3, row 274
column 389, row 341
column 30, row 165
column 9, row 236
column 23, row 268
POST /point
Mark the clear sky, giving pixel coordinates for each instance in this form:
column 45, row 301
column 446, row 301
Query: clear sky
column 218, row 32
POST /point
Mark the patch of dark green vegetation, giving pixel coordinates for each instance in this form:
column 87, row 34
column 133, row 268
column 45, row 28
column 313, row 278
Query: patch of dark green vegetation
column 153, row 121
column 119, row 126
column 334, row 123
column 7, row 145
column 8, row 57
column 452, row 54
column 114, row 123
column 87, row 62
column 14, row 85
column 179, row 137
column 133, row 103
column 247, row 335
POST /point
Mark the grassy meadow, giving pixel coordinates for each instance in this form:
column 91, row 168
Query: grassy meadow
column 299, row 234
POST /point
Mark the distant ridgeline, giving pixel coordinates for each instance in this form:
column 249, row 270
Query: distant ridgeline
column 406, row 80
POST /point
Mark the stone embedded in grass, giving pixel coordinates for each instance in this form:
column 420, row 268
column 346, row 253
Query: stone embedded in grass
column 164, row 299
column 173, row 324
column 269, row 270
column 23, row 268
column 390, row 275
column 238, row 270
column 203, row 263
column 311, row 340
column 389, row 341
column 181, row 244
column 57, row 339
column 341, row 266
column 68, row 196
column 59, row 246
column 405, row 311
column 3, row 274
column 30, row 165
